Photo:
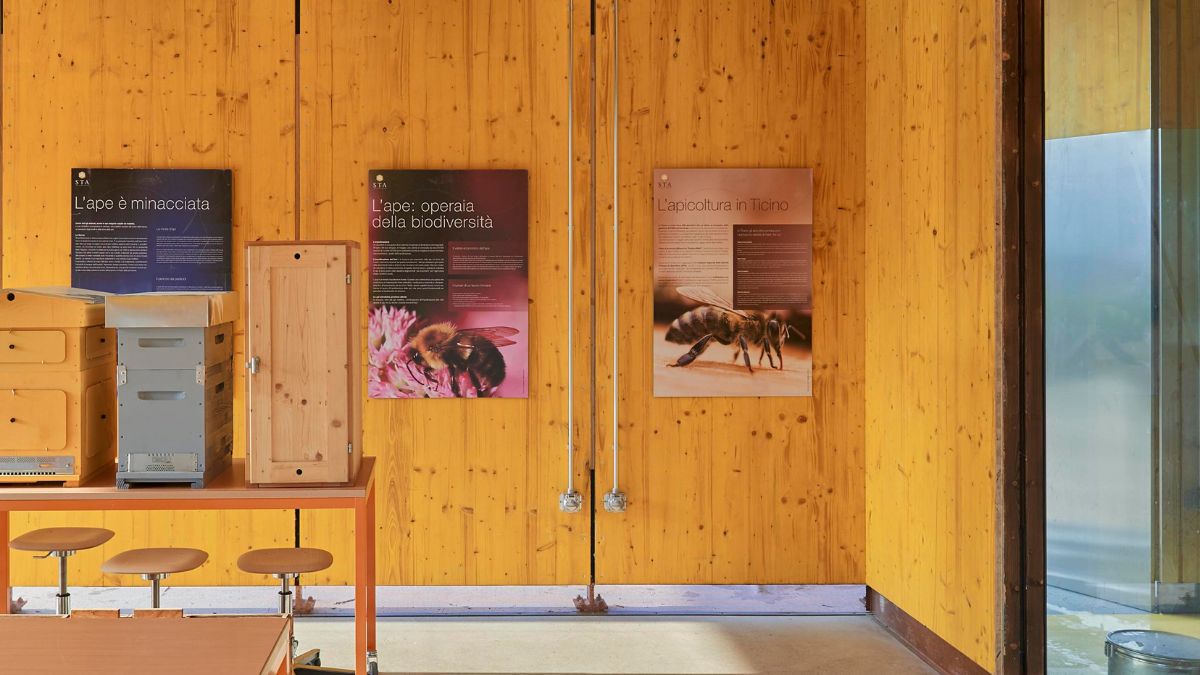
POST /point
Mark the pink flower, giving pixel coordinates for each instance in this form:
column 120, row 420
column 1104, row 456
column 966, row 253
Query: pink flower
column 389, row 370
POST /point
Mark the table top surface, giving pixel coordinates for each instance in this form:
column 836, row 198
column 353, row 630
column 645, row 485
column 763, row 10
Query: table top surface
column 228, row 485
column 180, row 645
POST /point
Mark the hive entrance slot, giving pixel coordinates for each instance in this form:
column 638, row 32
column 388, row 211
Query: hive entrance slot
column 160, row 342
column 160, row 395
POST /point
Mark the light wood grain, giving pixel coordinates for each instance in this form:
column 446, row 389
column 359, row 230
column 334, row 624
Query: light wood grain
column 97, row 642
column 1097, row 66
column 930, row 308
column 468, row 490
column 303, row 314
column 135, row 83
column 720, row 490
column 59, row 412
column 39, row 308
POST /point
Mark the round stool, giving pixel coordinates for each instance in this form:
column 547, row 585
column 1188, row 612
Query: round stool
column 285, row 564
column 154, row 564
column 61, row 542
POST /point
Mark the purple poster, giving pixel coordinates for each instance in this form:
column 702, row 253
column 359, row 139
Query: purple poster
column 140, row 230
column 449, row 284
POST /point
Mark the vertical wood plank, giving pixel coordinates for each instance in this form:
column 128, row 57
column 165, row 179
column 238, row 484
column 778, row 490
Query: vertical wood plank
column 931, row 211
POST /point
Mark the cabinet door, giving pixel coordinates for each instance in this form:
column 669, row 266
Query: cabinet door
column 297, row 304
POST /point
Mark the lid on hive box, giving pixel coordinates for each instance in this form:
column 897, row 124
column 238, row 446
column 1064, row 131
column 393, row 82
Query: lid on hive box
column 51, row 307
column 170, row 310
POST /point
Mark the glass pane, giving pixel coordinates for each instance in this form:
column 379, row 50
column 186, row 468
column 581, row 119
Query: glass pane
column 1122, row 307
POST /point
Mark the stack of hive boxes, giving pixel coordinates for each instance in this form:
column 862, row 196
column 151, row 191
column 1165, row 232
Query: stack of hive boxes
column 174, row 385
column 56, row 386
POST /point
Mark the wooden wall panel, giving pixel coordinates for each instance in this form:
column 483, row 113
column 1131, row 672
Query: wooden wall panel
column 732, row 490
column 139, row 83
column 930, row 306
column 1097, row 65
column 468, row 490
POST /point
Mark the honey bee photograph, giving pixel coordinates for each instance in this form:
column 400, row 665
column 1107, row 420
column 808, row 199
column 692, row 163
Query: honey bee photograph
column 733, row 282
column 449, row 285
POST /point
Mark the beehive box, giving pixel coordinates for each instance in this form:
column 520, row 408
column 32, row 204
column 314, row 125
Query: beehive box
column 304, row 416
column 57, row 393
column 174, row 386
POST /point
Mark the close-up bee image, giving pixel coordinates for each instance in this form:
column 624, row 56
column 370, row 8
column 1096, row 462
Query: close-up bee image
column 716, row 320
column 470, row 352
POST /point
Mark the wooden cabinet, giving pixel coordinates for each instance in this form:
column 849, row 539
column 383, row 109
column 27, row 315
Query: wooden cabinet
column 304, row 399
column 57, row 407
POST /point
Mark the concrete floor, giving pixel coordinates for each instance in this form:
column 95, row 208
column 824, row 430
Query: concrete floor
column 845, row 645
column 650, row 629
column 332, row 601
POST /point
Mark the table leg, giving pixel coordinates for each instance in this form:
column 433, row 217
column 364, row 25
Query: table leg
column 372, row 556
column 364, row 580
column 5, row 569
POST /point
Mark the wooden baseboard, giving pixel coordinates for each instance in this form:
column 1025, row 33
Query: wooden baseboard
column 923, row 642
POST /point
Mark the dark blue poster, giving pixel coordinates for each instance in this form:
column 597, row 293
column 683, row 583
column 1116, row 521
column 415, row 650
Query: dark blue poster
column 140, row 230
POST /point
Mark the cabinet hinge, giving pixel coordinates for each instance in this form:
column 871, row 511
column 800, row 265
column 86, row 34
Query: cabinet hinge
column 347, row 279
column 122, row 375
column 349, row 448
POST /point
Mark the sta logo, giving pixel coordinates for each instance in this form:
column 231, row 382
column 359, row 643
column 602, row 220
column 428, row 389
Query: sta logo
column 378, row 182
column 664, row 181
column 82, row 179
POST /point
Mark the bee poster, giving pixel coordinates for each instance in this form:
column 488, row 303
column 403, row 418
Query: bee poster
column 733, row 282
column 142, row 230
column 449, row 284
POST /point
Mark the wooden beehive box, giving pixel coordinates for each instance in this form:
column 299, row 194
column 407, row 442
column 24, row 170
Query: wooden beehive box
column 57, row 394
column 174, row 386
column 304, row 399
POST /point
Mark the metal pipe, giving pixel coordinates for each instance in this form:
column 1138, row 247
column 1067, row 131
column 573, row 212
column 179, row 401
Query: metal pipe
column 64, row 598
column 616, row 241
column 156, row 591
column 570, row 501
column 614, row 500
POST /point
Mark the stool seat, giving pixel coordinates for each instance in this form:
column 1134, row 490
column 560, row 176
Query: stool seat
column 61, row 539
column 154, row 561
column 284, row 560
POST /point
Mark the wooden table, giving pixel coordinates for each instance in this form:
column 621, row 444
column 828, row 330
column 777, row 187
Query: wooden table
column 226, row 491
column 246, row 645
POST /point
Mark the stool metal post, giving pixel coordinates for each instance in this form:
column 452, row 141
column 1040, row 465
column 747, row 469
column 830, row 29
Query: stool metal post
column 155, row 588
column 285, row 594
column 64, row 597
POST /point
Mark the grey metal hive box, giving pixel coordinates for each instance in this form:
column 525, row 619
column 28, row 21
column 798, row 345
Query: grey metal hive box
column 174, row 385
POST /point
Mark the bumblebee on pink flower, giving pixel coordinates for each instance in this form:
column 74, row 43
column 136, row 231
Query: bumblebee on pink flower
column 411, row 359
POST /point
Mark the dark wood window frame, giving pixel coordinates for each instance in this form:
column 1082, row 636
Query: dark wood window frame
column 1021, row 491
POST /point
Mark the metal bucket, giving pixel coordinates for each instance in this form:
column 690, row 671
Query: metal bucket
column 1152, row 652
